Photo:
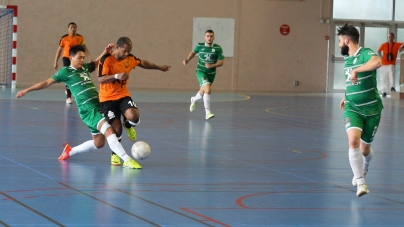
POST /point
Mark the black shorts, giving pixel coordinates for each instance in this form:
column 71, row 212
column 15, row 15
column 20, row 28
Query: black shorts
column 114, row 109
column 66, row 61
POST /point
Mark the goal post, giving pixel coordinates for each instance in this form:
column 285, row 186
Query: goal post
column 8, row 46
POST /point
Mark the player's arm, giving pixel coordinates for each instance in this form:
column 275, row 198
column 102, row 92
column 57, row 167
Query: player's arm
column 374, row 63
column 58, row 53
column 39, row 86
column 150, row 65
column 87, row 52
column 190, row 56
column 217, row 64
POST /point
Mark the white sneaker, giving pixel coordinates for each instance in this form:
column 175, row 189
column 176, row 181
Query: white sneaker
column 362, row 189
column 209, row 115
column 354, row 183
column 69, row 101
column 192, row 106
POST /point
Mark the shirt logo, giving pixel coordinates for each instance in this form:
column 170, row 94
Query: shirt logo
column 84, row 76
column 111, row 115
column 213, row 50
column 207, row 57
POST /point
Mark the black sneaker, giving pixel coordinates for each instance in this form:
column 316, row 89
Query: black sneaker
column 384, row 94
column 393, row 89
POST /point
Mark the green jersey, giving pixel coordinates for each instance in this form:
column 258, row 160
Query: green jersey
column 363, row 96
column 209, row 54
column 80, row 84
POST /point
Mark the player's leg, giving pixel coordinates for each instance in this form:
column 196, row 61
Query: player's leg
column 66, row 62
column 207, row 89
column 131, row 115
column 371, row 124
column 110, row 110
column 384, row 79
column 392, row 72
column 116, row 146
column 202, row 79
column 354, row 127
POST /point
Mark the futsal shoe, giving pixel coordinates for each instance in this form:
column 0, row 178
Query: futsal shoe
column 115, row 160
column 65, row 153
column 69, row 101
column 209, row 115
column 192, row 106
column 131, row 164
column 354, row 183
column 362, row 189
column 131, row 133
column 393, row 89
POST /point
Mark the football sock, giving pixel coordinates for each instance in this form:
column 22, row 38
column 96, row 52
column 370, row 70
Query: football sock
column 197, row 97
column 356, row 161
column 206, row 102
column 116, row 147
column 366, row 160
column 84, row 147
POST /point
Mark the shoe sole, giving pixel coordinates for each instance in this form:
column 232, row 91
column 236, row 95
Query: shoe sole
column 362, row 193
column 192, row 106
column 207, row 118
column 64, row 151
column 132, row 168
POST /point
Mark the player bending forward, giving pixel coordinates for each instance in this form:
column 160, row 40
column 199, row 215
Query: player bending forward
column 77, row 78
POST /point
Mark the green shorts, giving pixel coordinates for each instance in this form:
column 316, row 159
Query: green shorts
column 204, row 78
column 367, row 124
column 92, row 118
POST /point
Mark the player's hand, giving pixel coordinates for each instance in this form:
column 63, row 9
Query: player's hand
column 342, row 104
column 185, row 61
column 123, row 76
column 109, row 47
column 354, row 77
column 165, row 68
column 55, row 65
column 207, row 65
column 20, row 94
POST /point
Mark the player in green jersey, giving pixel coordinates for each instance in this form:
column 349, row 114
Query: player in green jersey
column 77, row 77
column 362, row 104
column 210, row 57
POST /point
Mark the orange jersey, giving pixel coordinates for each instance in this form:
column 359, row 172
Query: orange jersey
column 387, row 48
column 68, row 41
column 110, row 66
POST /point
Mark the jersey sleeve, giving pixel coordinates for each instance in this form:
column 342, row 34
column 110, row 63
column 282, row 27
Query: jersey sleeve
column 59, row 76
column 381, row 47
column 91, row 67
column 220, row 54
column 103, row 65
column 196, row 49
column 368, row 54
column 136, row 61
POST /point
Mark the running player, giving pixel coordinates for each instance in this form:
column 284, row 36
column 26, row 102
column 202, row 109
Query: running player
column 78, row 78
column 67, row 41
column 115, row 99
column 210, row 57
column 362, row 104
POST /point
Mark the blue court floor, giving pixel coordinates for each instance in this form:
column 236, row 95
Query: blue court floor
column 269, row 159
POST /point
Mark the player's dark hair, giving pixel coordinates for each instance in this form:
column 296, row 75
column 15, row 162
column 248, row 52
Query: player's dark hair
column 75, row 49
column 122, row 41
column 391, row 33
column 71, row 23
column 209, row 31
column 350, row 31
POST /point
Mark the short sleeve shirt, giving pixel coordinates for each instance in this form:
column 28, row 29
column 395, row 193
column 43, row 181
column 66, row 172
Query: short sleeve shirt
column 116, row 89
column 209, row 54
column 68, row 41
column 387, row 48
column 80, row 84
column 363, row 96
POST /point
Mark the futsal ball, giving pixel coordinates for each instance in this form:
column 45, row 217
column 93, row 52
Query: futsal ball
column 140, row 150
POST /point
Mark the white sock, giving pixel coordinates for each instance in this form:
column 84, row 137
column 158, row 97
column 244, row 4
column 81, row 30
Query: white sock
column 84, row 147
column 206, row 102
column 197, row 97
column 116, row 147
column 356, row 161
column 366, row 160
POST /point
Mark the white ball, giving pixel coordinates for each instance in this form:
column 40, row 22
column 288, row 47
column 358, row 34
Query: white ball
column 140, row 150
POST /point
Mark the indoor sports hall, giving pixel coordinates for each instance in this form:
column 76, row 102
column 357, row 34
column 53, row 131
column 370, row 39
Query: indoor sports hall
column 275, row 154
